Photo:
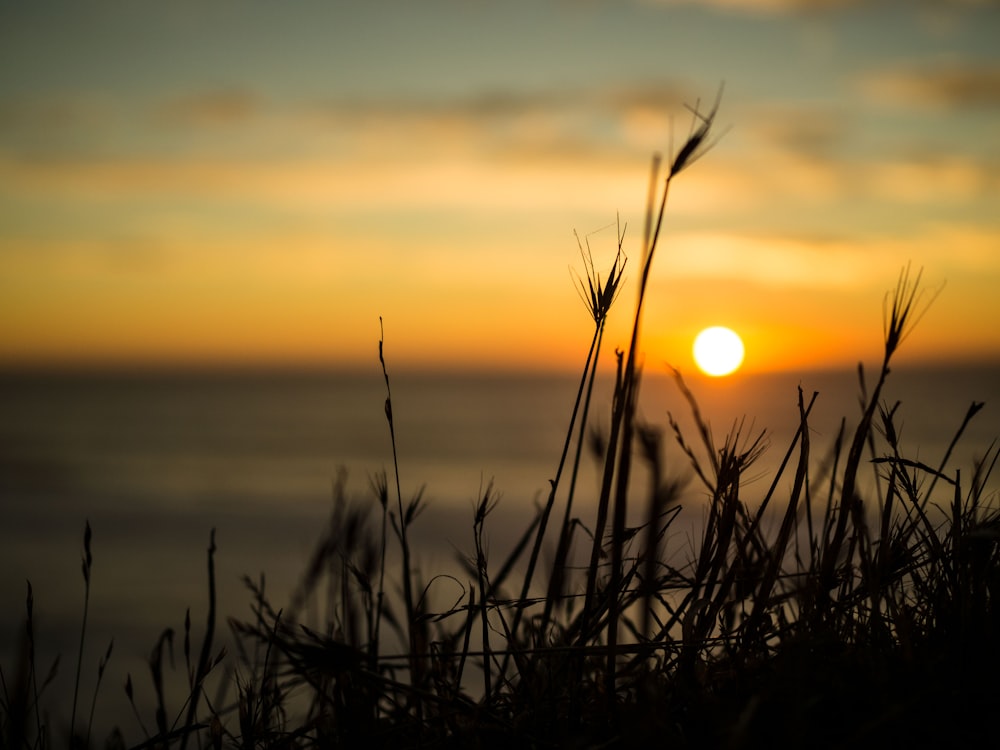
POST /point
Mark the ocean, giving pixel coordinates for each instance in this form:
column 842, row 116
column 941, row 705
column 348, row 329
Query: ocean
column 155, row 461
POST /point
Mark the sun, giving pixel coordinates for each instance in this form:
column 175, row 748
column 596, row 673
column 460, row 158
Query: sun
column 718, row 351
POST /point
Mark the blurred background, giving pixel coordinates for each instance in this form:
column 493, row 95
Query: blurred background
column 205, row 209
column 255, row 184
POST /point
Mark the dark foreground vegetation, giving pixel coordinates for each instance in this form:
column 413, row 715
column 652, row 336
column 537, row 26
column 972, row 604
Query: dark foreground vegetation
column 856, row 605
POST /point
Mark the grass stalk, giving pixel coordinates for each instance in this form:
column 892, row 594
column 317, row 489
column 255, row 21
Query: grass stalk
column 380, row 487
column 405, row 517
column 598, row 298
column 554, row 483
column 558, row 575
column 102, row 665
column 87, row 563
column 762, row 599
column 486, row 504
column 619, row 457
column 900, row 317
column 205, row 654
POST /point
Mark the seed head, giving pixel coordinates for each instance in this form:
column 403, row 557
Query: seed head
column 900, row 315
column 598, row 297
column 695, row 147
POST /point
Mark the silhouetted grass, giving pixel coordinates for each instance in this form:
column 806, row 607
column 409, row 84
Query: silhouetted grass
column 833, row 613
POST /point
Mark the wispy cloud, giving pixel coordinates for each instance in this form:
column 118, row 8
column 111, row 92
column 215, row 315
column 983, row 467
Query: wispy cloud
column 232, row 106
column 813, row 6
column 528, row 150
column 807, row 130
column 765, row 6
column 543, row 123
column 823, row 261
column 56, row 124
column 489, row 107
column 931, row 180
column 950, row 85
column 305, row 186
column 499, row 104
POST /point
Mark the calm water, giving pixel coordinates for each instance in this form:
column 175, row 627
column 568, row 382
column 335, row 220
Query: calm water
column 155, row 462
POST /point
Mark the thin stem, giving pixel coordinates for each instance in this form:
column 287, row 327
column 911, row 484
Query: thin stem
column 206, row 646
column 87, row 564
column 404, row 543
column 562, row 548
column 554, row 483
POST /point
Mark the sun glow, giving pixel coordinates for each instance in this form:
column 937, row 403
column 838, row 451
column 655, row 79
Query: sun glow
column 718, row 351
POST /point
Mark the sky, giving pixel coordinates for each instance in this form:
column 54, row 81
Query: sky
column 258, row 183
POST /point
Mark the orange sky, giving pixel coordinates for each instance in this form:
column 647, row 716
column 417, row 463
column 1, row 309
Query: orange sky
column 264, row 196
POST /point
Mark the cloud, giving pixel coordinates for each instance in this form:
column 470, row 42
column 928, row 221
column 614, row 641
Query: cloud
column 845, row 262
column 484, row 108
column 813, row 132
column 602, row 126
column 220, row 107
column 816, row 154
column 530, row 149
column 507, row 104
column 812, row 6
column 565, row 121
column 774, row 260
column 302, row 187
column 930, row 180
column 769, row 7
column 949, row 86
column 29, row 118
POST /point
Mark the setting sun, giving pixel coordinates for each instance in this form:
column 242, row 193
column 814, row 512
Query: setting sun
column 718, row 351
